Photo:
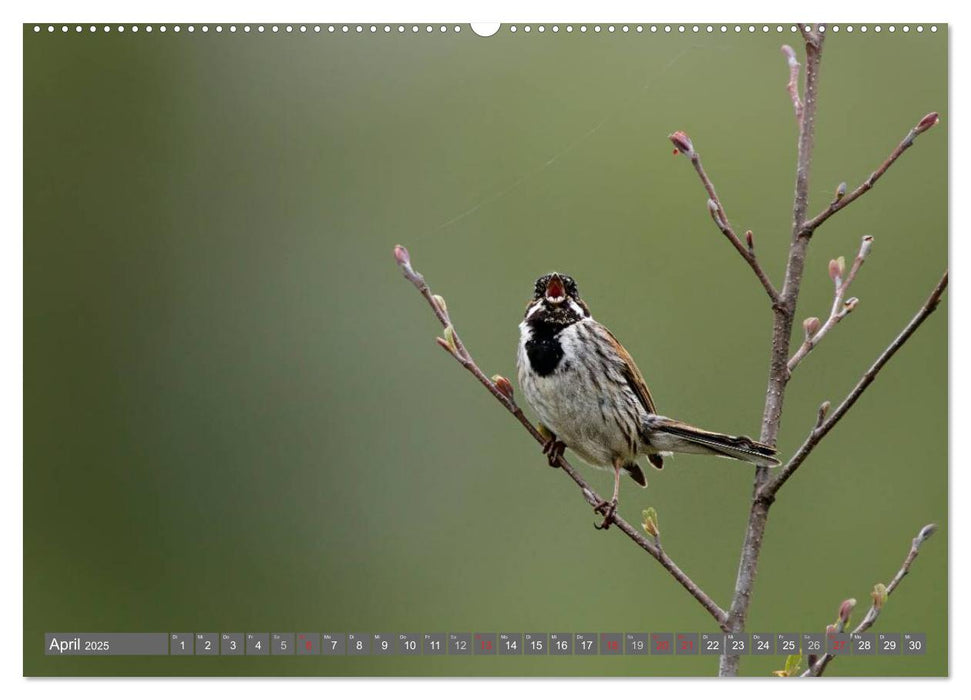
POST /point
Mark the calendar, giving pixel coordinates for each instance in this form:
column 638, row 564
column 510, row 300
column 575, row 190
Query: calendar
column 344, row 644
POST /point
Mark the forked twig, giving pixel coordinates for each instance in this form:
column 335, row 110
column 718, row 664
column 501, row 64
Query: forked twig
column 683, row 143
column 823, row 427
column 841, row 202
column 879, row 596
column 840, row 310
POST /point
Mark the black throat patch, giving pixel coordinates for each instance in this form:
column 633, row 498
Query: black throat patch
column 543, row 348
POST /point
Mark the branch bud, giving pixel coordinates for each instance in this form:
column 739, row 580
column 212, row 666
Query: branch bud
column 865, row 247
column 790, row 55
column 450, row 340
column 850, row 304
column 823, row 410
column 830, row 629
column 650, row 522
column 925, row 533
column 750, row 241
column 683, row 143
column 834, row 271
column 845, row 609
column 840, row 192
column 503, row 385
column 402, row 256
column 879, row 595
column 716, row 213
column 927, row 122
column 440, row 303
column 811, row 326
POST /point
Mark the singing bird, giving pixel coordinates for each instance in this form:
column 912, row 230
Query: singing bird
column 591, row 397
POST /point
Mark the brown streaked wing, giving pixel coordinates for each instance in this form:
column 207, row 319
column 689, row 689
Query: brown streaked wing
column 633, row 375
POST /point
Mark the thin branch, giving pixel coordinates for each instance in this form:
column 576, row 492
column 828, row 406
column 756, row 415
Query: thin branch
column 717, row 211
column 501, row 389
column 879, row 595
column 839, row 311
column 840, row 202
column 793, row 85
column 822, row 428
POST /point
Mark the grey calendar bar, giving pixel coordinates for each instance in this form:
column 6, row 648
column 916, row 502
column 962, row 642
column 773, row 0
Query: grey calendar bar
column 108, row 644
column 340, row 644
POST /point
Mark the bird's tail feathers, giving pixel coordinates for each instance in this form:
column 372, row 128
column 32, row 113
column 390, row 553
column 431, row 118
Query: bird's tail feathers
column 667, row 434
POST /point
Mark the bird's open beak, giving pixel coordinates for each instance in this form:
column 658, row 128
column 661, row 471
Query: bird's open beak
column 555, row 291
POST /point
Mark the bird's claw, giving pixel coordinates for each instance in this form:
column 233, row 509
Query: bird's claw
column 553, row 449
column 607, row 509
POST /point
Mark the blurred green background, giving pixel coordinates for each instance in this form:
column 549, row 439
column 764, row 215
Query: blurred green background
column 236, row 415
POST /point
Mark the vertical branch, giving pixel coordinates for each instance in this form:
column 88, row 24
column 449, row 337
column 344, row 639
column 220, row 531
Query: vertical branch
column 784, row 312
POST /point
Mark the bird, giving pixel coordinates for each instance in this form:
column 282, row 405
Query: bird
column 591, row 397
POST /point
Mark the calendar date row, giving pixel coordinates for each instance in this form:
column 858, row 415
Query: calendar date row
column 341, row 644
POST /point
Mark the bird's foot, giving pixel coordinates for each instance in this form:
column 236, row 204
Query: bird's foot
column 607, row 509
column 553, row 449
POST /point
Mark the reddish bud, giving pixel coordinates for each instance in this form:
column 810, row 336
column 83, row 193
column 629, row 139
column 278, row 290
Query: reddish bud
column 830, row 629
column 834, row 270
column 682, row 143
column 750, row 240
column 503, row 385
column 927, row 122
column 811, row 326
column 401, row 255
column 845, row 609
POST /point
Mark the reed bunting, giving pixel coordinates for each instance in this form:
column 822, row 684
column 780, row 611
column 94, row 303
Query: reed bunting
column 591, row 397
